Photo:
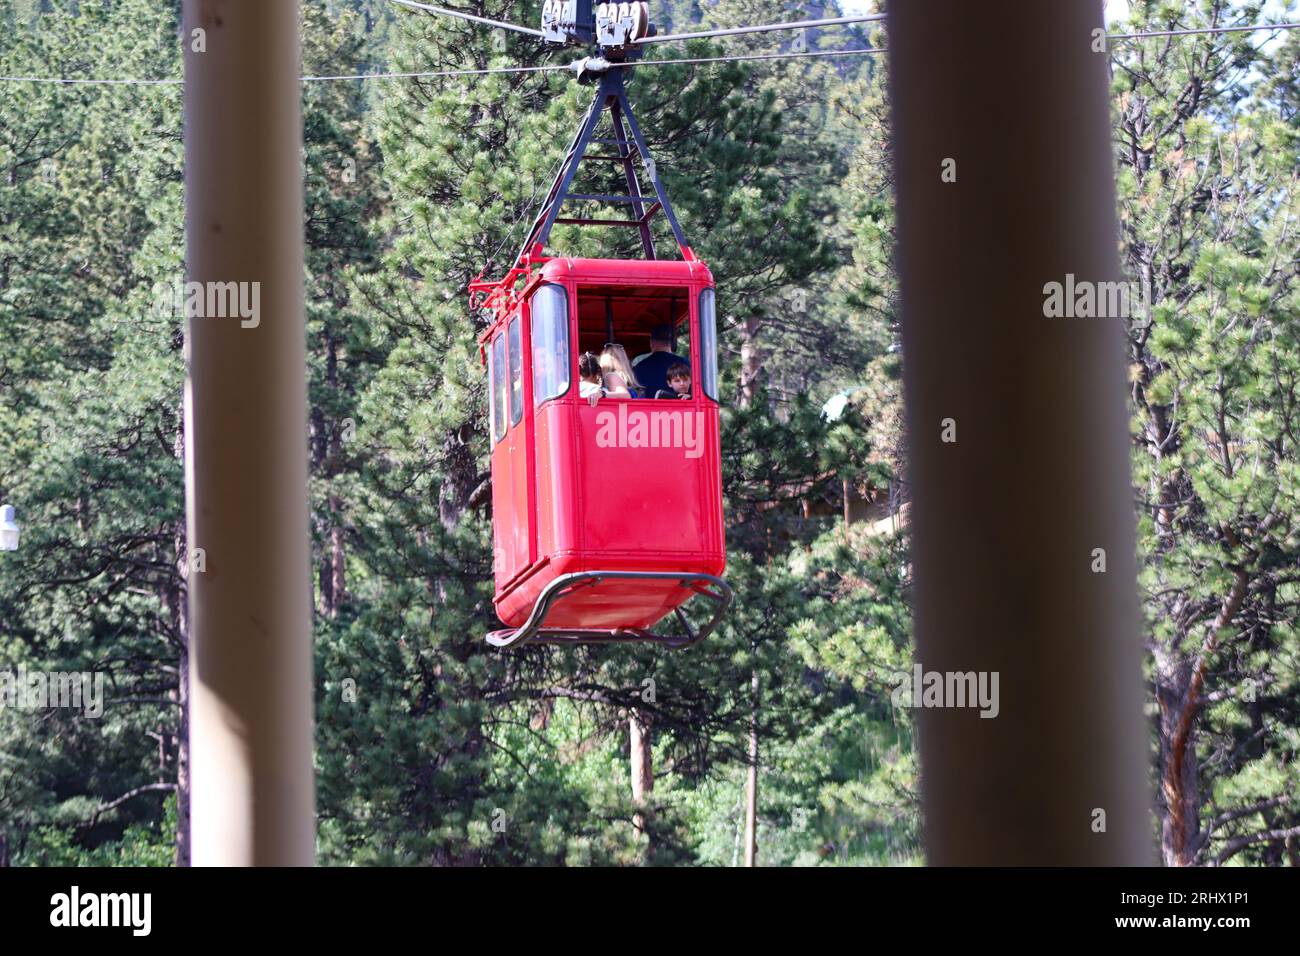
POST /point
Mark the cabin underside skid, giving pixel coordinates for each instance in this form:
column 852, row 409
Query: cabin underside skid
column 549, row 621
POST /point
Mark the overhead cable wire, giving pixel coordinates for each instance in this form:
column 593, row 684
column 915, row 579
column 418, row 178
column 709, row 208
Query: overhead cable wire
column 75, row 82
column 549, row 67
column 392, row 76
column 1198, row 31
column 720, row 32
column 753, row 56
column 554, row 67
column 468, row 16
column 764, row 28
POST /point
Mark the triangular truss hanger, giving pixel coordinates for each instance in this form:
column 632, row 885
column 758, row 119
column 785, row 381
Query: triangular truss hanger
column 626, row 147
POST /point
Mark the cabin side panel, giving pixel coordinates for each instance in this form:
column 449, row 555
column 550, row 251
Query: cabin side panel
column 644, row 485
column 557, row 506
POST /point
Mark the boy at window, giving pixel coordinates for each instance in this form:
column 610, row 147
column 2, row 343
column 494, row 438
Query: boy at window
column 679, row 382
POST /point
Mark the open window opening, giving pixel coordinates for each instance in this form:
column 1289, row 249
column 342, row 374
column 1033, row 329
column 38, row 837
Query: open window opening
column 635, row 318
column 549, row 309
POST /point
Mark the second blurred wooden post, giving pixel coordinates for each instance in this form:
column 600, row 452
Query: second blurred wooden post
column 1018, row 435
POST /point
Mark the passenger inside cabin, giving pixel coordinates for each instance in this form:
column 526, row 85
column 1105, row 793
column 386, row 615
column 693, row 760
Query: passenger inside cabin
column 589, row 371
column 619, row 379
column 679, row 382
column 652, row 367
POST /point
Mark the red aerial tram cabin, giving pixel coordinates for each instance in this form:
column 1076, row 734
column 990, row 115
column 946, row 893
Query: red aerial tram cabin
column 606, row 518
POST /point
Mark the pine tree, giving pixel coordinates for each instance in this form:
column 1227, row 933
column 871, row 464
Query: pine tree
column 90, row 418
column 1208, row 193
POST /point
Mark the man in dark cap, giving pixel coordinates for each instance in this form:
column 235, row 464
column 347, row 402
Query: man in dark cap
column 652, row 368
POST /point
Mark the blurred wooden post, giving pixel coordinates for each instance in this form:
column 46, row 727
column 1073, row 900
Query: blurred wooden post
column 246, row 440
column 1012, row 101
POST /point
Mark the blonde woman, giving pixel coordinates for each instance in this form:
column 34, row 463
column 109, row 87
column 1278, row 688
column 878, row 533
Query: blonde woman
column 620, row 380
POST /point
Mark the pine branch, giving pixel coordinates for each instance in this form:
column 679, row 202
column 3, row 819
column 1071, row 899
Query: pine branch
column 114, row 804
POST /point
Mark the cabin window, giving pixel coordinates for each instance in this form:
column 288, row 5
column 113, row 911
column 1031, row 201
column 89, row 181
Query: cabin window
column 549, row 308
column 516, row 373
column 632, row 316
column 497, row 379
column 709, row 344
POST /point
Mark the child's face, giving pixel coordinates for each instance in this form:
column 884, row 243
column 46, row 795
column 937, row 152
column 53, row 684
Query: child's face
column 681, row 384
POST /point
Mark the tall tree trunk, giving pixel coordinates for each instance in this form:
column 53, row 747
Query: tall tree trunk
column 751, row 777
column 1180, row 696
column 325, row 579
column 1180, row 792
column 327, row 463
column 334, row 464
column 174, row 602
column 750, row 369
column 183, row 760
column 338, row 579
column 751, row 359
column 454, row 492
column 848, row 516
column 642, row 759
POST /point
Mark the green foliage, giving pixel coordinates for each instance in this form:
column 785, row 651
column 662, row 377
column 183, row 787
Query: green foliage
column 141, row 844
column 89, row 417
column 1209, row 212
column 433, row 749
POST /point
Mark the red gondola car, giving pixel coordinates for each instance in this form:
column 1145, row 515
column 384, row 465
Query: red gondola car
column 606, row 518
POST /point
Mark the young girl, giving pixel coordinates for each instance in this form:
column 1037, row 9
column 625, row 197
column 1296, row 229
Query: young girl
column 620, row 380
column 589, row 370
